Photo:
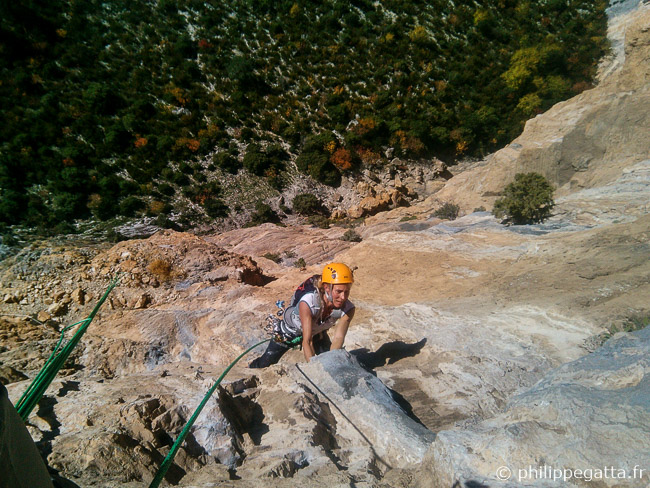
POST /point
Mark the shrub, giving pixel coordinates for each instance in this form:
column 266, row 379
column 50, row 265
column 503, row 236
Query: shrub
column 528, row 199
column 318, row 166
column 166, row 189
column 185, row 168
column 448, row 211
column 342, row 159
column 630, row 324
column 255, row 160
column 8, row 239
column 64, row 228
column 180, row 179
column 315, row 159
column 307, row 204
column 160, row 268
column 319, row 221
column 264, row 163
column 166, row 223
column 300, row 263
column 277, row 155
column 215, row 207
column 351, row 236
column 101, row 207
column 156, row 207
column 272, row 256
column 276, row 179
column 263, row 213
column 130, row 205
column 227, row 162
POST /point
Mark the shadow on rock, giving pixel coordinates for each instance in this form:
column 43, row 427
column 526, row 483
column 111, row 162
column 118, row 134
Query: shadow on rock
column 388, row 353
column 469, row 484
column 238, row 403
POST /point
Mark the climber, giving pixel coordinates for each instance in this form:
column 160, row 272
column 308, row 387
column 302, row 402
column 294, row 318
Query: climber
column 317, row 305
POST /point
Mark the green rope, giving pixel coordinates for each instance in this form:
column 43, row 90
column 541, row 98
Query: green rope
column 162, row 470
column 55, row 362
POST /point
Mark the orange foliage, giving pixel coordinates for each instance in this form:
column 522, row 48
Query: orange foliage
column 440, row 85
column 160, row 268
column 204, row 44
column 364, row 126
column 342, row 159
column 67, row 162
column 368, row 156
column 140, row 141
column 178, row 94
column 210, row 131
column 410, row 144
column 193, row 145
column 94, row 201
column 156, row 207
column 581, row 86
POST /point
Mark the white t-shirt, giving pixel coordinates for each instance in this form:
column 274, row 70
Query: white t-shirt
column 293, row 326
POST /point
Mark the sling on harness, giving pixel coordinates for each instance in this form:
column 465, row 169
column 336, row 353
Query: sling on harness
column 276, row 325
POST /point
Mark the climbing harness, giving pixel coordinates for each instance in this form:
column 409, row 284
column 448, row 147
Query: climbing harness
column 274, row 327
column 55, row 362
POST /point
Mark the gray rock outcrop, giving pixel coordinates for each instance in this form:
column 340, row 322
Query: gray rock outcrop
column 587, row 423
column 360, row 400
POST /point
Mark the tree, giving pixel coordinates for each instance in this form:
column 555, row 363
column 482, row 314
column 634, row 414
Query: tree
column 315, row 159
column 528, row 199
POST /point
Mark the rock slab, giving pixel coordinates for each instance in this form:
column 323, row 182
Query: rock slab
column 585, row 424
column 362, row 402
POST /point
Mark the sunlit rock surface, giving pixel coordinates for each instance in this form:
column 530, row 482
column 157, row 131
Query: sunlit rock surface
column 473, row 344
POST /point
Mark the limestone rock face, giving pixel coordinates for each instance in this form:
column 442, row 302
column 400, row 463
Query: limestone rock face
column 584, row 142
column 472, row 345
column 288, row 243
column 362, row 400
column 168, row 254
column 569, row 420
column 119, row 429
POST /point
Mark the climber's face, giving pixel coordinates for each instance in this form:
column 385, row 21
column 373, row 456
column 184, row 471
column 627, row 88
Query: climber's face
column 338, row 294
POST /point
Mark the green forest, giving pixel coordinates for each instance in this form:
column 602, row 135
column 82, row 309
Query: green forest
column 118, row 107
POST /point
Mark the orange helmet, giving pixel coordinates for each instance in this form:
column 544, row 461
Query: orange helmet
column 337, row 273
